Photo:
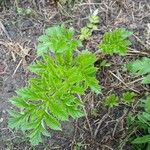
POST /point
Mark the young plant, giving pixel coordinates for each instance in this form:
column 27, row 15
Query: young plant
column 143, row 122
column 115, row 42
column 111, row 100
column 24, row 11
column 128, row 97
column 51, row 96
column 86, row 31
column 141, row 67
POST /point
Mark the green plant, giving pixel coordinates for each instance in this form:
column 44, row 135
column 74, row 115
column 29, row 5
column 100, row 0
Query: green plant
column 141, row 67
column 86, row 31
column 143, row 122
column 111, row 100
column 128, row 97
column 51, row 97
column 140, row 123
column 24, row 11
column 115, row 42
column 58, row 40
column 104, row 64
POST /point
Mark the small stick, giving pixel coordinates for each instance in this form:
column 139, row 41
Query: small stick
column 88, row 122
column 89, row 2
column 4, row 30
column 99, row 124
column 17, row 67
column 124, row 82
column 137, row 80
column 138, row 52
column 140, row 41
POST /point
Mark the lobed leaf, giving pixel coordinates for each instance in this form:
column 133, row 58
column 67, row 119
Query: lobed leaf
column 50, row 97
column 115, row 42
column 140, row 140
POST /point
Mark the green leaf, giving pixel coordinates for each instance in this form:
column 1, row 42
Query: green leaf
column 30, row 125
column 17, row 119
column 19, row 102
column 146, row 79
column 28, row 93
column 86, row 59
column 94, row 19
column 146, row 116
column 78, row 89
column 128, row 97
column 85, row 33
column 42, row 48
column 52, row 122
column 111, row 101
column 50, row 95
column 131, row 119
column 115, row 42
column 58, row 111
column 141, row 140
column 57, row 39
column 147, row 104
column 93, row 84
column 139, row 66
column 75, row 113
column 35, row 136
column 43, row 38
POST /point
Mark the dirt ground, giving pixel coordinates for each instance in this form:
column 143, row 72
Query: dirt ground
column 103, row 129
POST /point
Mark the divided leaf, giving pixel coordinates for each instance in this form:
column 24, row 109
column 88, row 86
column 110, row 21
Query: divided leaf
column 86, row 31
column 141, row 67
column 143, row 139
column 115, row 42
column 147, row 104
column 57, row 39
column 52, row 122
column 128, row 97
column 51, row 96
column 111, row 101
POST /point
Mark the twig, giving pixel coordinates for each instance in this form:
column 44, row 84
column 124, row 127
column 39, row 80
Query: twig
column 4, row 30
column 89, row 1
column 108, row 147
column 99, row 124
column 124, row 82
column 118, row 121
column 140, row 41
column 88, row 122
column 137, row 52
column 137, row 80
column 17, row 67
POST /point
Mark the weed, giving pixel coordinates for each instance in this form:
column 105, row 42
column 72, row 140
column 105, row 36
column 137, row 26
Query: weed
column 86, row 31
column 111, row 100
column 115, row 42
column 141, row 67
column 142, row 119
column 142, row 122
column 24, row 11
column 128, row 97
column 51, row 97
